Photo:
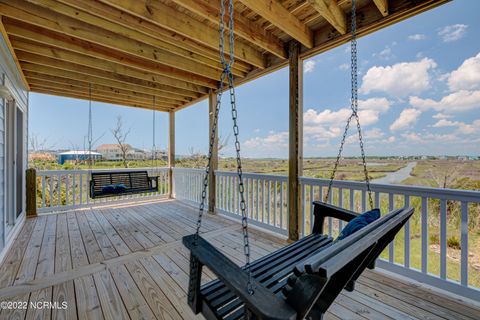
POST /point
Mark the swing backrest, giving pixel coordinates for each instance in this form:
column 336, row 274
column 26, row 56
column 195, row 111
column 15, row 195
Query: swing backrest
column 105, row 184
column 318, row 280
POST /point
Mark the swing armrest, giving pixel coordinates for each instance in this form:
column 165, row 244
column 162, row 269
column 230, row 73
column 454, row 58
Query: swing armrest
column 321, row 210
column 263, row 303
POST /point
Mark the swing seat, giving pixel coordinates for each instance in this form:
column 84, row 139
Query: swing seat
column 110, row 184
column 298, row 281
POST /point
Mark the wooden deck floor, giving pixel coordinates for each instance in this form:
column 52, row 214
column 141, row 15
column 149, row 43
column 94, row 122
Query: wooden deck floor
column 129, row 263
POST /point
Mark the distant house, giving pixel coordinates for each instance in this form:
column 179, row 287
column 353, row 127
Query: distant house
column 113, row 152
column 78, row 156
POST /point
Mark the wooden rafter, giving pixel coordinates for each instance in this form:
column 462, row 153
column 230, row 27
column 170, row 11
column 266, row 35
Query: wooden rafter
column 274, row 12
column 330, row 10
column 39, row 16
column 382, row 6
column 45, row 85
column 167, row 17
column 56, row 82
column 58, row 72
column 4, row 34
column 111, row 76
column 178, row 54
column 72, row 57
column 60, row 41
column 243, row 27
column 192, row 48
column 121, row 102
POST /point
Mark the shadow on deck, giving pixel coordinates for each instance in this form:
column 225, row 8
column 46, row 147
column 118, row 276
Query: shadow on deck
column 128, row 263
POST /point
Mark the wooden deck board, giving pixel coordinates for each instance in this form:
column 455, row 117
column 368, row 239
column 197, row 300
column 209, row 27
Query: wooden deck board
column 129, row 263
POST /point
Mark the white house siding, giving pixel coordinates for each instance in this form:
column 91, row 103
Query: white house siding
column 10, row 77
column 2, row 171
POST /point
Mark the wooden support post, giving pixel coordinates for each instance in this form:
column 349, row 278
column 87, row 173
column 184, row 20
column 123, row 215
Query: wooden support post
column 212, row 105
column 31, row 192
column 295, row 155
column 171, row 152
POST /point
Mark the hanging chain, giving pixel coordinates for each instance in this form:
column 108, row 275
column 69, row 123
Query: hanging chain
column 90, row 127
column 154, row 147
column 354, row 107
column 227, row 75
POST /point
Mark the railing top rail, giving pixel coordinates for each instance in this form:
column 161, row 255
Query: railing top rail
column 254, row 175
column 79, row 171
column 188, row 170
column 440, row 193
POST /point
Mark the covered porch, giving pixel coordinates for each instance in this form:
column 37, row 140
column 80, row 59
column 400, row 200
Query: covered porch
column 122, row 257
column 127, row 262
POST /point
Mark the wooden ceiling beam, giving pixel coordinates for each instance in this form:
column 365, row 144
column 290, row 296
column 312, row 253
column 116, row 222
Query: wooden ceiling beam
column 330, row 10
column 32, row 14
column 4, row 34
column 24, row 56
column 95, row 93
column 58, row 72
column 61, row 41
column 101, row 90
column 382, row 6
column 274, row 12
column 193, row 49
column 72, row 57
column 244, row 27
column 173, row 20
column 120, row 102
column 131, row 33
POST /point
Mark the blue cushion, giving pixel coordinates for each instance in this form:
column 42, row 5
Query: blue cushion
column 119, row 188
column 114, row 188
column 359, row 222
column 108, row 189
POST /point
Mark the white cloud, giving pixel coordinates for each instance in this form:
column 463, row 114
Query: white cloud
column 374, row 104
column 446, row 123
column 453, row 32
column 467, row 76
column 257, row 130
column 458, row 101
column 344, row 66
column 400, row 79
column 417, row 37
column 462, row 127
column 369, row 112
column 270, row 142
column 327, row 116
column 441, row 116
column 407, row 118
column 309, row 66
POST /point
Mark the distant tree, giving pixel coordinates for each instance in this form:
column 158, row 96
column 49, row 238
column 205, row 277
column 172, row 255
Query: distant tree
column 120, row 134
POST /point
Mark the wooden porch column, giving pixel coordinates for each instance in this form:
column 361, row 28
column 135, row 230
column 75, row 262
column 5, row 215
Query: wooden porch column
column 31, row 192
column 171, row 151
column 212, row 105
column 295, row 155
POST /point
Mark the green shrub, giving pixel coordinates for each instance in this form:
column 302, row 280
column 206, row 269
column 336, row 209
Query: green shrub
column 453, row 243
column 435, row 238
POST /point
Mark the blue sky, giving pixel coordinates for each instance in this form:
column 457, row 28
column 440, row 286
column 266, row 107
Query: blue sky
column 419, row 89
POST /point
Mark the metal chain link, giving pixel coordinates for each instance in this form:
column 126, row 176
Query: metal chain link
column 90, row 127
column 354, row 107
column 227, row 75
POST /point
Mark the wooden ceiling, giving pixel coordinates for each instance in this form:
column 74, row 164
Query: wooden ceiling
column 163, row 54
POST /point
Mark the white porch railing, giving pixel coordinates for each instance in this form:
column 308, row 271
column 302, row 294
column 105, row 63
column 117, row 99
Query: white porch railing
column 59, row 190
column 420, row 251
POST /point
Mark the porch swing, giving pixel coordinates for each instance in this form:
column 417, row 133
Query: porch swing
column 304, row 278
column 116, row 183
